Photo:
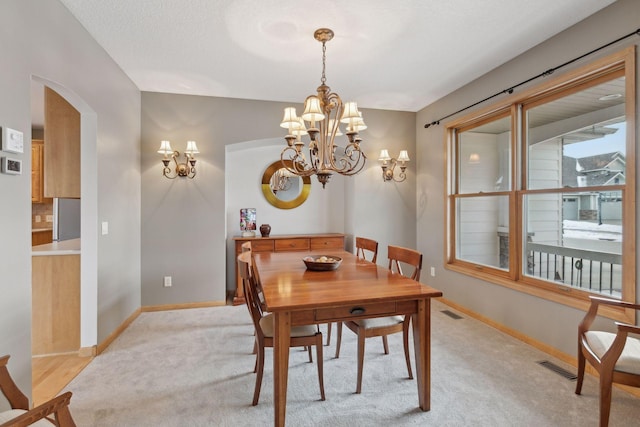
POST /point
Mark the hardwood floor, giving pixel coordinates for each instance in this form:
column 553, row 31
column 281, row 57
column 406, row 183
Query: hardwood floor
column 50, row 374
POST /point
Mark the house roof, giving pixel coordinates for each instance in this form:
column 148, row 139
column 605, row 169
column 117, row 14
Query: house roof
column 597, row 169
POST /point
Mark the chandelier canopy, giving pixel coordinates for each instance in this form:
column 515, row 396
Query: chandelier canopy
column 324, row 112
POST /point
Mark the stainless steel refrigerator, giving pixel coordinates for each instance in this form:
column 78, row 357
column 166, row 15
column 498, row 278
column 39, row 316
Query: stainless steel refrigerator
column 66, row 219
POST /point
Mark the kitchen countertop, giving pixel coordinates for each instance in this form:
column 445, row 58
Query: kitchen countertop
column 66, row 247
column 36, row 230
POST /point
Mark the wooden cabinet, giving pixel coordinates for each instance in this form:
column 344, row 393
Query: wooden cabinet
column 41, row 237
column 55, row 304
column 284, row 243
column 37, row 171
column 62, row 156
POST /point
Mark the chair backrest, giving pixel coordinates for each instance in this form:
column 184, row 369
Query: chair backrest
column 245, row 267
column 398, row 256
column 246, row 247
column 14, row 396
column 363, row 244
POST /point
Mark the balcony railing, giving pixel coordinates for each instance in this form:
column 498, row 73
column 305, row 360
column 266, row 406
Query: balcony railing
column 599, row 272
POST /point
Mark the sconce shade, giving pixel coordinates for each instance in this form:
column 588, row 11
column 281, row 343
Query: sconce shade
column 384, row 156
column 312, row 109
column 192, row 148
column 404, row 156
column 165, row 148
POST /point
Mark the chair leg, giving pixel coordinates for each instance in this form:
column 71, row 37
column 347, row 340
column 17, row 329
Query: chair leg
column 339, row 339
column 328, row 333
column 260, row 369
column 405, row 339
column 606, row 378
column 255, row 344
column 320, row 361
column 310, row 356
column 255, row 351
column 581, row 363
column 360, row 360
column 385, row 344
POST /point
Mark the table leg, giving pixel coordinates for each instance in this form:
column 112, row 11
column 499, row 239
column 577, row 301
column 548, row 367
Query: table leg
column 422, row 346
column 281, row 341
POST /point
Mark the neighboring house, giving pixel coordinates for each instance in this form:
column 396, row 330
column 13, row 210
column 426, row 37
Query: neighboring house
column 602, row 169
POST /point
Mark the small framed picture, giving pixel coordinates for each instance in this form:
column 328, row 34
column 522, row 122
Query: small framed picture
column 11, row 166
column 248, row 220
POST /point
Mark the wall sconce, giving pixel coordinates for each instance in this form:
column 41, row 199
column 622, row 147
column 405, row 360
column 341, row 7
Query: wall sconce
column 389, row 164
column 188, row 168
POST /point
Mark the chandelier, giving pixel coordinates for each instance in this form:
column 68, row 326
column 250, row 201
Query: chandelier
column 324, row 112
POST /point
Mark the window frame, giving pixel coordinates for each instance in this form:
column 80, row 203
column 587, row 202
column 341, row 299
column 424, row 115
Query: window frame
column 616, row 65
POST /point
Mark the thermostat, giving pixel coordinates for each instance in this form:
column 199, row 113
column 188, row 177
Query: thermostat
column 11, row 166
column 12, row 140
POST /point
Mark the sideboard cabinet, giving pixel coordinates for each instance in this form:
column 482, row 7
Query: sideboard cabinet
column 284, row 243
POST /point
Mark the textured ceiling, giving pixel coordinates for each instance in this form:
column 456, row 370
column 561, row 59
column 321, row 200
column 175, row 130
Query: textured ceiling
column 396, row 55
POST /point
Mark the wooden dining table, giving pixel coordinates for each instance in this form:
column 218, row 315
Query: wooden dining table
column 356, row 289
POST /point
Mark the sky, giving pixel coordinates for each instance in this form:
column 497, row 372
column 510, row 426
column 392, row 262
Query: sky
column 606, row 144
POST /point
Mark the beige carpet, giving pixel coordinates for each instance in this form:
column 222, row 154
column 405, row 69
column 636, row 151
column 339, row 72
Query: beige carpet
column 194, row 368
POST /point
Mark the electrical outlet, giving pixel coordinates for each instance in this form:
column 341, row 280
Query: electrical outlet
column 433, row 272
column 49, row 218
column 38, row 218
column 167, row 281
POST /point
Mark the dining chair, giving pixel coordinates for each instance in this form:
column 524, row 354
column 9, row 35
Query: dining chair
column 20, row 415
column 384, row 326
column 364, row 248
column 616, row 356
column 301, row 336
column 370, row 246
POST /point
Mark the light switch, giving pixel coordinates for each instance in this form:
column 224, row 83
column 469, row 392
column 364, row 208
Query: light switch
column 105, row 228
column 12, row 140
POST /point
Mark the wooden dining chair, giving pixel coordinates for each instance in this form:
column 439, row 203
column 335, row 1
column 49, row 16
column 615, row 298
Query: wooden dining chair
column 301, row 336
column 616, row 356
column 365, row 248
column 384, row 326
column 54, row 412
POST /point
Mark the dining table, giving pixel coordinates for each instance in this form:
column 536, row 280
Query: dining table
column 357, row 289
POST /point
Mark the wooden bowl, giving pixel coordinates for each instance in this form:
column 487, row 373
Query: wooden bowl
column 322, row 262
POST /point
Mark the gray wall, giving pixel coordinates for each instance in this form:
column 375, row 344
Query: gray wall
column 40, row 38
column 549, row 322
column 188, row 224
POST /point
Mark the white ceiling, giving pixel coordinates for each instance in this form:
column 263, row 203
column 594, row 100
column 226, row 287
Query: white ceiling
column 396, row 55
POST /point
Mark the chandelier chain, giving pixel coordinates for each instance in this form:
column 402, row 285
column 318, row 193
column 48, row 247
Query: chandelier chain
column 323, row 80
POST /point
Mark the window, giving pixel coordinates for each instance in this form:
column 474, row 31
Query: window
column 541, row 188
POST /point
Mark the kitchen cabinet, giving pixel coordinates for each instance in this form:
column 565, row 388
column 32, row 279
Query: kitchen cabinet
column 55, row 304
column 37, row 172
column 62, row 156
column 41, row 237
column 285, row 243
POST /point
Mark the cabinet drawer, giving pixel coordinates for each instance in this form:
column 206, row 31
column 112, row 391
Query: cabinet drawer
column 319, row 243
column 262, row 245
column 355, row 311
column 292, row 245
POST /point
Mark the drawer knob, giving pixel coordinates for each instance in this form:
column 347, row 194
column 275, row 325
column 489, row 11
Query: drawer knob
column 357, row 311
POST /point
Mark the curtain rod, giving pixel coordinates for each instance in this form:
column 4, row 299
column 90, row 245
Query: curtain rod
column 543, row 74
